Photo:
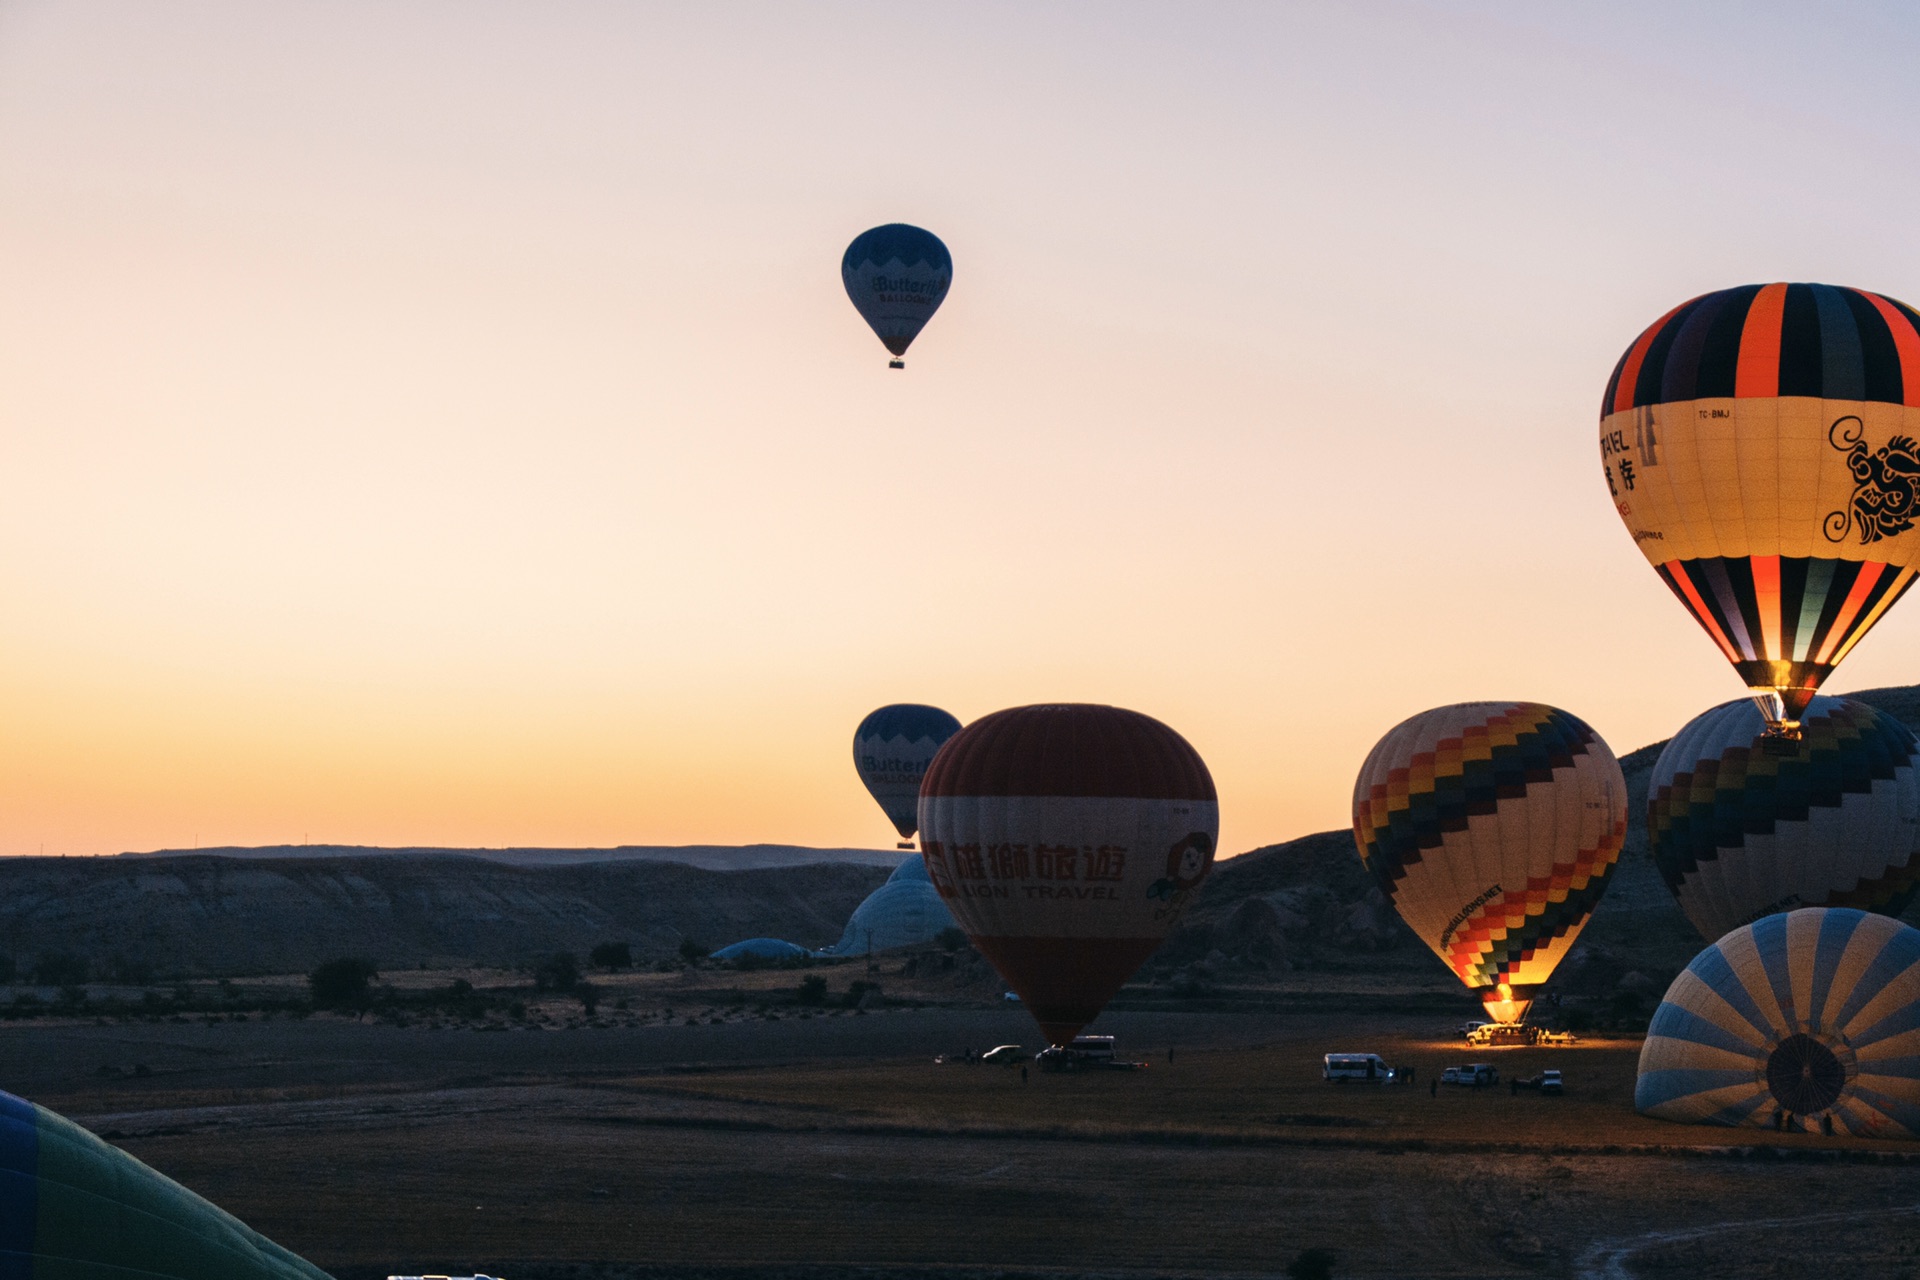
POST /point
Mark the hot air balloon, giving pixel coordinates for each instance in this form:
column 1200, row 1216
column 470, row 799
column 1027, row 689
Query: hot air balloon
column 1743, row 826
column 1492, row 827
column 1809, row 1020
column 891, row 750
column 897, row 276
column 72, row 1206
column 1759, row 443
column 1067, row 840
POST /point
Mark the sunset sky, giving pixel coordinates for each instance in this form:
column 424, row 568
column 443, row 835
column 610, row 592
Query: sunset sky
column 442, row 423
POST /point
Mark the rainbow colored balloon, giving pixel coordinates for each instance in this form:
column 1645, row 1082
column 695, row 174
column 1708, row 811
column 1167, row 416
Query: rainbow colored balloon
column 1492, row 827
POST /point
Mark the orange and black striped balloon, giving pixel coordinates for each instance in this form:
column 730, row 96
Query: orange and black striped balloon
column 1760, row 445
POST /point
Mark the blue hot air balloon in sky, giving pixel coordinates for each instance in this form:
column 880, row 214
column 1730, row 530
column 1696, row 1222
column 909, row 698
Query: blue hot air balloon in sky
column 892, row 749
column 897, row 276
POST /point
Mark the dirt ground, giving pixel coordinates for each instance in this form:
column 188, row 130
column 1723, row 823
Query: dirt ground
column 722, row 1142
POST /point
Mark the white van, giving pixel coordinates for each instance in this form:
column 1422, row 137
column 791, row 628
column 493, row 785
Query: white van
column 1356, row 1066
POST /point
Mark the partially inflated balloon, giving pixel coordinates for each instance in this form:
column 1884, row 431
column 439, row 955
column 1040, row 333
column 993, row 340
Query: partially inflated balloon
column 1067, row 840
column 1492, row 827
column 1800, row 1021
column 1743, row 825
column 897, row 276
column 74, row 1208
column 892, row 749
column 1759, row 443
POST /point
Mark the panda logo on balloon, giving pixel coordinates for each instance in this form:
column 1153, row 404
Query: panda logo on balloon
column 1187, row 865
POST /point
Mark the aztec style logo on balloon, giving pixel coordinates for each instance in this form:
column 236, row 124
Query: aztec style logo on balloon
column 1883, row 495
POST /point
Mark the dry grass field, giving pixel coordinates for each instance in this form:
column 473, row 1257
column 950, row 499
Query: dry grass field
column 740, row 1146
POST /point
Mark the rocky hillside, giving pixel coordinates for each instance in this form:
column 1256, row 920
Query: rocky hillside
column 1302, row 905
column 223, row 915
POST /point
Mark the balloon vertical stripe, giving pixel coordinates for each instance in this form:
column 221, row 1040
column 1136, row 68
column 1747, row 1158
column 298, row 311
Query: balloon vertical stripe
column 1758, row 372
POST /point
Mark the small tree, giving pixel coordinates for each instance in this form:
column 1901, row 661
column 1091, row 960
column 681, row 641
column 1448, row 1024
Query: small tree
column 7, row 969
column 558, row 972
column 951, row 938
column 1311, row 1264
column 691, row 951
column 612, row 955
column 589, row 996
column 813, row 990
column 342, row 983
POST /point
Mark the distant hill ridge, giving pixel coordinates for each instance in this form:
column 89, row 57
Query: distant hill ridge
column 710, row 857
column 287, row 908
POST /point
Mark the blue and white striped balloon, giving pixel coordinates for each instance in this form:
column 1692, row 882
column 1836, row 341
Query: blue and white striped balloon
column 1806, row 1021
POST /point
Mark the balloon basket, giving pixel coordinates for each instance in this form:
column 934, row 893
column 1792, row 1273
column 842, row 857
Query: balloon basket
column 1781, row 740
column 1517, row 1035
column 904, row 844
column 896, row 364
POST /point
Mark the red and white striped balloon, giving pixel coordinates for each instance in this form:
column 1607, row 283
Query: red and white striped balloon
column 1067, row 840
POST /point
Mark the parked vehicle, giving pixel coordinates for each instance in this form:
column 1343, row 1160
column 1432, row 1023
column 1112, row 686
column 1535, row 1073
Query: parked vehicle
column 1085, row 1053
column 1007, row 1053
column 1476, row 1074
column 1547, row 1081
column 1468, row 1028
column 1356, row 1066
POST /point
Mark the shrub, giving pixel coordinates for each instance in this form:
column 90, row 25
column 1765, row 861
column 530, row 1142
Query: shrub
column 589, row 997
column 691, row 950
column 7, row 969
column 611, row 955
column 60, row 969
column 341, row 983
column 558, row 972
column 813, row 990
column 951, row 938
